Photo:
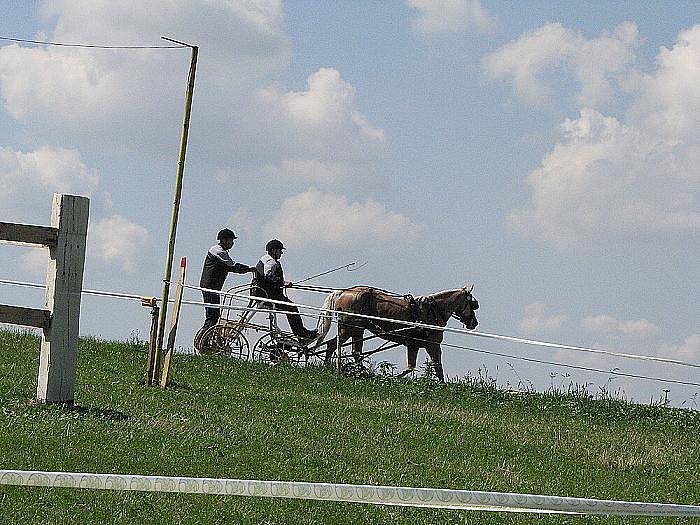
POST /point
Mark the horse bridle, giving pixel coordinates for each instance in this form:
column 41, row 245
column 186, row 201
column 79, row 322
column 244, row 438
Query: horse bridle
column 469, row 299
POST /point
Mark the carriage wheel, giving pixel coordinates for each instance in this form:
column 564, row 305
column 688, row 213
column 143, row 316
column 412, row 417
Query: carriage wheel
column 224, row 340
column 272, row 348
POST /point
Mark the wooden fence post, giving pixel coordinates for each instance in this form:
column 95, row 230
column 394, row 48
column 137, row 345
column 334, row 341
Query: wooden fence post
column 167, row 360
column 64, row 284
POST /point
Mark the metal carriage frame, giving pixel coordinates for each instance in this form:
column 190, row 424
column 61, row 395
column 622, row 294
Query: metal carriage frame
column 229, row 336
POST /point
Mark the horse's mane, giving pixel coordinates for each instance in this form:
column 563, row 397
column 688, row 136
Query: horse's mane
column 435, row 295
column 446, row 292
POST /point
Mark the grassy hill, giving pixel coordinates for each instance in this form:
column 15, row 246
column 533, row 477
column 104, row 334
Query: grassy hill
column 225, row 418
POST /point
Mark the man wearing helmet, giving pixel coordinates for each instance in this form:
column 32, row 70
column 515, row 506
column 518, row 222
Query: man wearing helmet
column 269, row 277
column 217, row 265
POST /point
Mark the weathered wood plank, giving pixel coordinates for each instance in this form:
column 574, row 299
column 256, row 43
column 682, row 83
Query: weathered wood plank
column 64, row 283
column 27, row 234
column 173, row 324
column 22, row 316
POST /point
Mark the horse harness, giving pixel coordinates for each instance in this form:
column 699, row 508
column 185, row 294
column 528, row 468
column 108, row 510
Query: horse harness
column 421, row 309
column 424, row 309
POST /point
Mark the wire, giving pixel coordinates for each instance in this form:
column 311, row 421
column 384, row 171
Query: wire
column 463, row 331
column 395, row 321
column 317, row 289
column 577, row 367
column 461, row 347
column 528, row 359
column 91, row 46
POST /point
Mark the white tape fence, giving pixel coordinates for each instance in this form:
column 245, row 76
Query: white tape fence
column 322, row 312
column 339, row 492
column 462, row 331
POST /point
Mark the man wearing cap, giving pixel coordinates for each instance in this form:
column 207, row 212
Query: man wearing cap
column 217, row 266
column 269, row 276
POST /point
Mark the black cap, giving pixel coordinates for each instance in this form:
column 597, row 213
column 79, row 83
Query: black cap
column 274, row 244
column 225, row 234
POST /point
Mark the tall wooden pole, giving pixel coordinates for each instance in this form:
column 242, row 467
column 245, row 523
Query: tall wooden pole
column 176, row 210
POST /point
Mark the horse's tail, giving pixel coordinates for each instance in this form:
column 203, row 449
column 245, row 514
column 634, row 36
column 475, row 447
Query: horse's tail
column 324, row 322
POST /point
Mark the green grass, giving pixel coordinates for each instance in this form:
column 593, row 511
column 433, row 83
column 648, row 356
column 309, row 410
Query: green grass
column 230, row 419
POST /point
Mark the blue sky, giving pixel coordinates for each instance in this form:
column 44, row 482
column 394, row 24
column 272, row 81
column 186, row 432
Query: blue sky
column 545, row 151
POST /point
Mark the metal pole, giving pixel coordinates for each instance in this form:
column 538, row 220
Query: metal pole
column 176, row 209
column 155, row 313
column 339, row 349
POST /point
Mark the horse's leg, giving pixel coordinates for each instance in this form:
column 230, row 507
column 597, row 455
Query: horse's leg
column 357, row 344
column 330, row 350
column 412, row 351
column 435, row 353
column 337, row 343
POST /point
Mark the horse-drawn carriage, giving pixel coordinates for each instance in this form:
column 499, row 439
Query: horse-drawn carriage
column 229, row 337
column 394, row 318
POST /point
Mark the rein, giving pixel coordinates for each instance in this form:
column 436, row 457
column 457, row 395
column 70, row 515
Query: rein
column 316, row 289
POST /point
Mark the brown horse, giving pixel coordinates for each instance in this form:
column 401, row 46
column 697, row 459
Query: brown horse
column 435, row 309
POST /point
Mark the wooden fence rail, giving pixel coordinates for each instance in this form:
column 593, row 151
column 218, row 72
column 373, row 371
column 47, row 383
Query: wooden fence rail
column 60, row 320
column 27, row 234
column 25, row 316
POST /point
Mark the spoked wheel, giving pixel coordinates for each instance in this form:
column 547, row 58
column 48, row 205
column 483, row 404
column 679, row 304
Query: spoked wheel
column 274, row 348
column 223, row 340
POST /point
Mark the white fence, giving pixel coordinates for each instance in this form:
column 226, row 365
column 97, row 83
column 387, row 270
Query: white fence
column 60, row 318
column 372, row 494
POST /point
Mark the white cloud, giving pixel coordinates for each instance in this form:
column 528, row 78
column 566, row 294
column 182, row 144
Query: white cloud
column 599, row 323
column 322, row 122
column 639, row 328
column 451, row 16
column 117, row 240
column 58, row 170
column 244, row 219
column 608, row 178
column 669, row 101
column 106, row 91
column 597, row 64
column 609, row 325
column 317, row 136
column 133, row 99
column 537, row 320
column 614, row 178
column 28, row 179
column 689, row 350
column 315, row 218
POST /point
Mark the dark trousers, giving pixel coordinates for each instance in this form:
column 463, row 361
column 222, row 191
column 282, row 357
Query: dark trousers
column 293, row 317
column 212, row 314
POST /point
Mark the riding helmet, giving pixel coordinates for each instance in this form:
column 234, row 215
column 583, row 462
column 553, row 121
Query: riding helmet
column 273, row 245
column 225, row 234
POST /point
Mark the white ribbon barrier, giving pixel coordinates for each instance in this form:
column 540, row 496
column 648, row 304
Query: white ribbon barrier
column 377, row 495
column 463, row 331
column 475, row 333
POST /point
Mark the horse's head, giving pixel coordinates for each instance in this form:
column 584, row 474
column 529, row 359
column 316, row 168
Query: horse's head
column 466, row 308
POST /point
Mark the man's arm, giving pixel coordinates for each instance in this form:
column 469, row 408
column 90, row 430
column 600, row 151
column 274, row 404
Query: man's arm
column 242, row 268
column 223, row 257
